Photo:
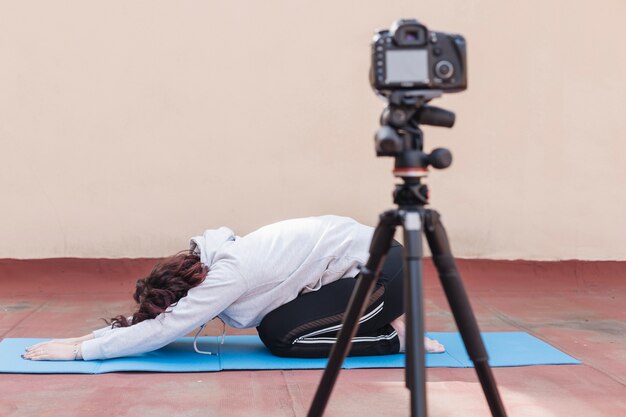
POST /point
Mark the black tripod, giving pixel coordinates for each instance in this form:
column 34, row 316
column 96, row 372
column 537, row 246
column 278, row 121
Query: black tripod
column 400, row 136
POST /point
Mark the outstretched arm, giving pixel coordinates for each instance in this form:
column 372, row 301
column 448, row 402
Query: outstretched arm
column 220, row 289
column 51, row 349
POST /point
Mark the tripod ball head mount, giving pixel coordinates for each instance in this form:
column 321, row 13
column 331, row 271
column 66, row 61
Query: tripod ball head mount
column 400, row 135
column 408, row 160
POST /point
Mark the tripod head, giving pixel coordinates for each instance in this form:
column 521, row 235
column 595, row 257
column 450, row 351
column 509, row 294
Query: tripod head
column 400, row 136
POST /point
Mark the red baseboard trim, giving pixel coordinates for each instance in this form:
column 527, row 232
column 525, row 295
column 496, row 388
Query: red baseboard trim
column 76, row 275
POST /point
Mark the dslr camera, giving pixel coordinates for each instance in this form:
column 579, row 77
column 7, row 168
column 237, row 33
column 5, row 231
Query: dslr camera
column 410, row 57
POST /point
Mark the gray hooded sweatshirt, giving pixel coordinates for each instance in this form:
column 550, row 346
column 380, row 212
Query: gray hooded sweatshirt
column 248, row 277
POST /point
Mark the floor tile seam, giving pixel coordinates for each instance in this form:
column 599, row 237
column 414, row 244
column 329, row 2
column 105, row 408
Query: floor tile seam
column 616, row 378
column 4, row 335
column 512, row 322
column 539, row 336
column 504, row 317
column 290, row 392
column 553, row 292
column 51, row 294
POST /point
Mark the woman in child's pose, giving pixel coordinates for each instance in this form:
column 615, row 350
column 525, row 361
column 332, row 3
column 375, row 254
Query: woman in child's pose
column 291, row 280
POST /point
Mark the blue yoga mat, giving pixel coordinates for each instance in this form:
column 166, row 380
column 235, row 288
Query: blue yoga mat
column 247, row 352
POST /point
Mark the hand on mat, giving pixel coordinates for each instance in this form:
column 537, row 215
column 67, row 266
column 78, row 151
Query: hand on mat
column 51, row 351
column 68, row 341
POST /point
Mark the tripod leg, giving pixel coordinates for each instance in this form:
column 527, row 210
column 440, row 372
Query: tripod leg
column 461, row 309
column 381, row 242
column 415, row 367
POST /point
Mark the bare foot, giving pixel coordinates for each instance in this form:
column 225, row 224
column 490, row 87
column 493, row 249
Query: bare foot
column 430, row 345
column 400, row 327
column 433, row 346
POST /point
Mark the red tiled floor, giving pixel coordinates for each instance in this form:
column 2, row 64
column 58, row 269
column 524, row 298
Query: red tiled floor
column 576, row 306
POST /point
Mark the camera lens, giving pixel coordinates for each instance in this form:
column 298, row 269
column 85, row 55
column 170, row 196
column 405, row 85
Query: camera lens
column 444, row 69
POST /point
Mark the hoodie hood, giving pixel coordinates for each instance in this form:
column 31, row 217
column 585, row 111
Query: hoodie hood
column 210, row 242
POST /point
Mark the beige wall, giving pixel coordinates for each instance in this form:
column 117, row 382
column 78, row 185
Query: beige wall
column 128, row 126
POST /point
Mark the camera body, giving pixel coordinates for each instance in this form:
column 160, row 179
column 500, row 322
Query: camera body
column 410, row 57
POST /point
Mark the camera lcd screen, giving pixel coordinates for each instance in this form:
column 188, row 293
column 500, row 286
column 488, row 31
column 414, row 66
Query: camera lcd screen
column 404, row 66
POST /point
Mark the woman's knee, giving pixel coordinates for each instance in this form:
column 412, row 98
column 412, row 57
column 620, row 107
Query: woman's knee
column 272, row 335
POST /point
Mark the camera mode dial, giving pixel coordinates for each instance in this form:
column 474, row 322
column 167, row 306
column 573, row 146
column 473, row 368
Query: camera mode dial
column 444, row 69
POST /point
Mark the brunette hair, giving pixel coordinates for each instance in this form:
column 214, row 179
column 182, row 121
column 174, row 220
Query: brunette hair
column 169, row 281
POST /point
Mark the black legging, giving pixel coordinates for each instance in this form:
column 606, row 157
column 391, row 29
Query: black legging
column 308, row 325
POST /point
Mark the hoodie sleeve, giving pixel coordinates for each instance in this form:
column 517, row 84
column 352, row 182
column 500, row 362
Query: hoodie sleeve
column 105, row 330
column 102, row 332
column 222, row 286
